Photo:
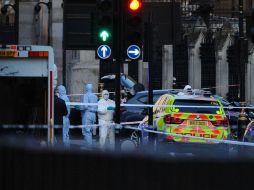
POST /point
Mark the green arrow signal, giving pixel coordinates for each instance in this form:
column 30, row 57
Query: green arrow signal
column 104, row 35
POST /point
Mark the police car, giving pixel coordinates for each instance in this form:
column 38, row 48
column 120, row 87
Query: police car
column 190, row 114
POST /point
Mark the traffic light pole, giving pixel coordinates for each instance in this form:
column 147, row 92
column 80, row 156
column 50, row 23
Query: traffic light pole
column 150, row 58
column 241, row 49
column 118, row 57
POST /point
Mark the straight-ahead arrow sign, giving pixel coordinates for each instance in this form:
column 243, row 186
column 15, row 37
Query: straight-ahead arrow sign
column 104, row 51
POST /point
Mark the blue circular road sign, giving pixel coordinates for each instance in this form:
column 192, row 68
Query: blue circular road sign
column 133, row 52
column 104, row 51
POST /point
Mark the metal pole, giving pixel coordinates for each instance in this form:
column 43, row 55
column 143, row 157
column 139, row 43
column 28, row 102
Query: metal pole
column 150, row 44
column 150, row 57
column 172, row 25
column 241, row 49
column 49, row 21
column 64, row 67
column 63, row 52
column 118, row 60
column 16, row 24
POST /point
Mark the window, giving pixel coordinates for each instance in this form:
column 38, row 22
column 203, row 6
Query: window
column 194, row 106
column 144, row 99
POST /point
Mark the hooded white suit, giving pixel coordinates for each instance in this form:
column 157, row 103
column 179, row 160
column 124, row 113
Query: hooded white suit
column 105, row 115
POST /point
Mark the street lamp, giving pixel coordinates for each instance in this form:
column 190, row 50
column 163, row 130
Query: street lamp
column 241, row 60
column 37, row 9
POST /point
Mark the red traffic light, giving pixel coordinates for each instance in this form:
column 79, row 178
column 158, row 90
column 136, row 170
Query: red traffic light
column 134, row 5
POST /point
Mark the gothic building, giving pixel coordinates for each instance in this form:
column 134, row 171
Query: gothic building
column 204, row 56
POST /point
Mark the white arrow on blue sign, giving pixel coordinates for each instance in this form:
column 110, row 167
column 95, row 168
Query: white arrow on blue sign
column 104, row 51
column 133, row 52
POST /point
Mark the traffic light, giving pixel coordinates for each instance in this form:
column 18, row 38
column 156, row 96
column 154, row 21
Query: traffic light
column 133, row 29
column 104, row 22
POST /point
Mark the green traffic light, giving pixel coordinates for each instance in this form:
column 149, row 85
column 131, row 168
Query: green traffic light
column 104, row 35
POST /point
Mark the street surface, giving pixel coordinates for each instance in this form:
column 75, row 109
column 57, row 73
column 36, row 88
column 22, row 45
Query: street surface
column 124, row 144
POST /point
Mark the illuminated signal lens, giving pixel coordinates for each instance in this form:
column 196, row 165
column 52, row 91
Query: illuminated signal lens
column 104, row 35
column 134, row 5
column 104, row 22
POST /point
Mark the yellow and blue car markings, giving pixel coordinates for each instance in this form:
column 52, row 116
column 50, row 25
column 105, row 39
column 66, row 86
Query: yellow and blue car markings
column 194, row 124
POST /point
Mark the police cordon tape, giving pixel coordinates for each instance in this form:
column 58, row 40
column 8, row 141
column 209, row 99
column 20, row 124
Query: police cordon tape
column 139, row 122
column 208, row 88
column 194, row 137
column 69, row 95
column 171, row 134
column 139, row 128
column 231, row 85
column 151, row 105
column 165, row 133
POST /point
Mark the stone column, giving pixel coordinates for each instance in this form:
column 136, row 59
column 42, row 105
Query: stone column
column 194, row 68
column 191, row 66
column 195, row 63
column 167, row 67
column 143, row 73
column 57, row 35
column 222, row 72
column 218, row 73
column 29, row 23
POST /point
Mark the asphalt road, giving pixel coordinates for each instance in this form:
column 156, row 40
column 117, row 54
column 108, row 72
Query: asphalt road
column 124, row 144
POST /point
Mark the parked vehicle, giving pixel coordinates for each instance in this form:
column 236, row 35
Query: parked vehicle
column 136, row 113
column 28, row 76
column 131, row 113
column 187, row 116
column 232, row 113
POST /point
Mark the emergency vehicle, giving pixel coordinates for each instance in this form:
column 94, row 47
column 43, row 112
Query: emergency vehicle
column 190, row 115
column 27, row 74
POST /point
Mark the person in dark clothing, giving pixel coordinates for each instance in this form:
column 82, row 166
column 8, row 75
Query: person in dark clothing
column 59, row 111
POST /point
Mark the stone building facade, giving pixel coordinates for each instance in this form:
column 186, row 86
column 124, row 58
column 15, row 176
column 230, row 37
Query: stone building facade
column 82, row 67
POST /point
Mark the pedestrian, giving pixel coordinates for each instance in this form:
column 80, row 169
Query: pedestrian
column 106, row 111
column 60, row 110
column 66, row 120
column 88, row 113
column 188, row 89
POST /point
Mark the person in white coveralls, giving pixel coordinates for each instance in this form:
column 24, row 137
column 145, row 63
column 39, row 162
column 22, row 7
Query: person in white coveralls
column 106, row 109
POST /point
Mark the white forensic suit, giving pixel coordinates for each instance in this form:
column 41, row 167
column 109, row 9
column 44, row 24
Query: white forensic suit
column 106, row 109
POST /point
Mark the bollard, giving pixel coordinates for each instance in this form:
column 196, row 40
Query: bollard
column 242, row 123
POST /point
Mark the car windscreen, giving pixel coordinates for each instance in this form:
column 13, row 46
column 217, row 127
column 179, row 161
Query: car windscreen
column 144, row 99
column 195, row 106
